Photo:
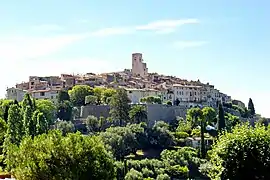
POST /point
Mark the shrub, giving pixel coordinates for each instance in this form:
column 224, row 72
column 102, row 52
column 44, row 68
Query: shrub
column 53, row 156
column 181, row 135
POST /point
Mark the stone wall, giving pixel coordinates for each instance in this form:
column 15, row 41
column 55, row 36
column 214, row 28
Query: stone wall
column 155, row 112
column 165, row 113
column 97, row 111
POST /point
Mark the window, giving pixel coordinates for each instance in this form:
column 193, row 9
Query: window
column 32, row 83
column 51, row 97
column 42, row 93
column 130, row 92
column 195, row 93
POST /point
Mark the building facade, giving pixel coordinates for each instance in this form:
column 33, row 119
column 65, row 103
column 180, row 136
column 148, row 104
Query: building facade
column 15, row 94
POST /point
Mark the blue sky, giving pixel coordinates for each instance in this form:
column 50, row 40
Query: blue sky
column 222, row 42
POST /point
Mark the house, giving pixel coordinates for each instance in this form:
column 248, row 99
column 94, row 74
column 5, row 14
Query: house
column 15, row 94
column 45, row 94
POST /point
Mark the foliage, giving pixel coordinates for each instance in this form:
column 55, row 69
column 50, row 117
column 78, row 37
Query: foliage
column 122, row 141
column 151, row 100
column 42, row 124
column 60, row 158
column 251, row 108
column 193, row 116
column 98, row 94
column 221, row 118
column 15, row 125
column 91, row 99
column 47, row 108
column 92, row 124
column 181, row 135
column 196, row 132
column 177, row 102
column 184, row 126
column 134, row 175
column 160, row 136
column 65, row 127
column 63, row 96
column 78, row 93
column 107, row 94
column 231, row 121
column 138, row 114
column 242, row 154
column 119, row 107
column 64, row 110
column 163, row 177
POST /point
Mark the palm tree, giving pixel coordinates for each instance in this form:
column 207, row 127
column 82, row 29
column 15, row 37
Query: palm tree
column 138, row 114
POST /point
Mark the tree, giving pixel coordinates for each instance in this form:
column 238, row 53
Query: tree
column 91, row 99
column 119, row 107
column 194, row 115
column 160, row 136
column 63, row 96
column 107, row 94
column 48, row 108
column 15, row 125
column 92, row 124
column 78, row 93
column 27, row 101
column 221, row 118
column 251, row 108
column 177, row 102
column 42, row 124
column 242, row 154
column 60, row 158
column 133, row 175
column 151, row 100
column 98, row 91
column 65, row 127
column 138, row 114
column 64, row 110
column 27, row 118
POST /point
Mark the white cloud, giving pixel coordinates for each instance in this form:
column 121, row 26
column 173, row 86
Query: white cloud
column 161, row 27
column 112, row 31
column 166, row 24
column 47, row 27
column 189, row 44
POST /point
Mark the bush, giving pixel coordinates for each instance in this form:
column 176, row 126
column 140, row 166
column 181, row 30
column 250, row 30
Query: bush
column 163, row 177
column 133, row 175
column 53, row 156
column 242, row 154
column 196, row 132
column 181, row 135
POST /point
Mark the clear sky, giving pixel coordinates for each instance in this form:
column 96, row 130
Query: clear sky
column 224, row 42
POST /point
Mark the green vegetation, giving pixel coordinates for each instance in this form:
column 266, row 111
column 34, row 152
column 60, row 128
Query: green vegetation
column 39, row 140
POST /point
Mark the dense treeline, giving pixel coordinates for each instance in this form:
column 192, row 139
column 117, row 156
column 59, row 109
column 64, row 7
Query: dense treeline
column 38, row 141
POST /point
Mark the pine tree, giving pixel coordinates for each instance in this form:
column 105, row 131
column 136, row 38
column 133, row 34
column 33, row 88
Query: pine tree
column 119, row 107
column 251, row 108
column 221, row 118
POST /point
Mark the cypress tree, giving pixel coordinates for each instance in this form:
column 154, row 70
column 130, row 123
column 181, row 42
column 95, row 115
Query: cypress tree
column 251, row 108
column 14, row 125
column 27, row 118
column 42, row 125
column 221, row 118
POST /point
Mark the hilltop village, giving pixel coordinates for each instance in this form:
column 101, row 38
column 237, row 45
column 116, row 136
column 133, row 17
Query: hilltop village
column 138, row 82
